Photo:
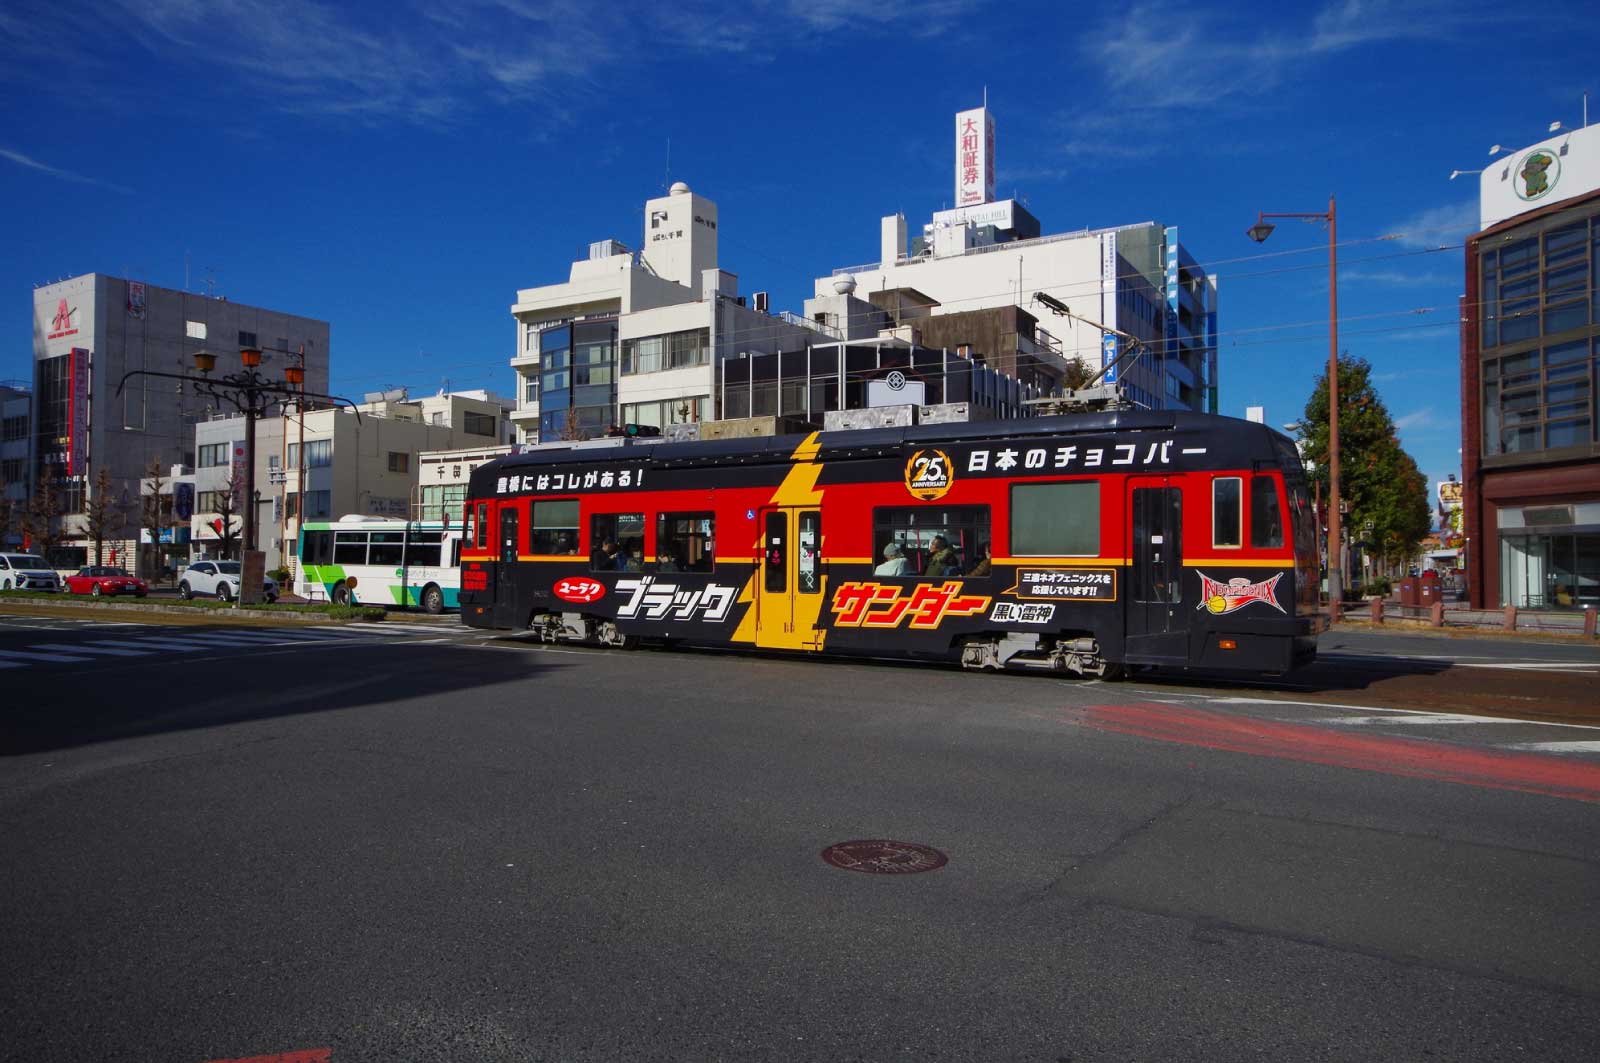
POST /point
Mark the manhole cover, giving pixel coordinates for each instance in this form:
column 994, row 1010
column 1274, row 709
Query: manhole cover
column 879, row 856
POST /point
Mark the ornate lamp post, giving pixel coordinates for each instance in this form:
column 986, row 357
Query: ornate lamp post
column 253, row 394
column 1259, row 233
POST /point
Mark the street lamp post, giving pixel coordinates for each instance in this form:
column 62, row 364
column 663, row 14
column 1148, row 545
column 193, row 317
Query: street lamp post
column 1259, row 232
column 253, row 394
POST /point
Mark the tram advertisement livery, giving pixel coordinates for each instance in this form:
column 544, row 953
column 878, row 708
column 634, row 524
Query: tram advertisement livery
column 1080, row 544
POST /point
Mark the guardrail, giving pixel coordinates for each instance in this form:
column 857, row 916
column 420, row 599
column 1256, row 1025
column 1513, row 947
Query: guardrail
column 1555, row 622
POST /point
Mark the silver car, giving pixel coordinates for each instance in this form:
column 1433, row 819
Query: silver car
column 220, row 578
column 27, row 572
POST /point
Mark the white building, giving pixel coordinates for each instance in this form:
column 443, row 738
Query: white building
column 636, row 336
column 327, row 463
column 89, row 331
column 988, row 254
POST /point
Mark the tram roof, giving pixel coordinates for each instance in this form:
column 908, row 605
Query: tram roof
column 875, row 442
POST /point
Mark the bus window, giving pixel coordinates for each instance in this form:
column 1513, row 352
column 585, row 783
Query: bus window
column 685, row 542
column 1227, row 511
column 555, row 527
column 388, row 548
column 422, row 548
column 455, row 553
column 624, row 531
column 1053, row 520
column 318, row 549
column 350, row 548
column 481, row 539
column 1266, row 520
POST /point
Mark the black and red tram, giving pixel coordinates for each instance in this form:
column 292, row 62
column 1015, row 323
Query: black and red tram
column 1080, row 543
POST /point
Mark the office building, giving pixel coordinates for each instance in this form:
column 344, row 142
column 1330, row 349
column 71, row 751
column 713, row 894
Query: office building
column 1530, row 355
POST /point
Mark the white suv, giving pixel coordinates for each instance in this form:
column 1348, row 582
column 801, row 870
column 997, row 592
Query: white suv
column 27, row 572
column 219, row 578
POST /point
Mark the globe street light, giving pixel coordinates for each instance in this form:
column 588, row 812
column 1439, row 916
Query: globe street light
column 1259, row 233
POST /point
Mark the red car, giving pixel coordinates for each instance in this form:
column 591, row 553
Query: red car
column 98, row 580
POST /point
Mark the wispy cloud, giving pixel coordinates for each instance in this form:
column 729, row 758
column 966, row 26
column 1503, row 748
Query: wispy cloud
column 1438, row 226
column 1396, row 278
column 31, row 163
column 1424, row 421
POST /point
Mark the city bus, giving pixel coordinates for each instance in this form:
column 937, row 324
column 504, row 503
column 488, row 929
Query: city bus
column 1079, row 543
column 381, row 561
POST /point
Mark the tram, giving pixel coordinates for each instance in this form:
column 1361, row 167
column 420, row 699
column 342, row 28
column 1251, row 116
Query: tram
column 1081, row 543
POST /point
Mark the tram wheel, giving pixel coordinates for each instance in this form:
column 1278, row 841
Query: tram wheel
column 1115, row 672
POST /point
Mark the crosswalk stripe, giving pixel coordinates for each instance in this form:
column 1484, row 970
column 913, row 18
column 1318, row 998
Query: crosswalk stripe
column 51, row 658
column 1559, row 747
column 12, row 664
column 89, row 647
column 159, row 644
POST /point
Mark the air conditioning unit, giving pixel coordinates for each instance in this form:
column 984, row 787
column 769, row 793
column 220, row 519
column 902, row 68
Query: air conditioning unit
column 761, row 302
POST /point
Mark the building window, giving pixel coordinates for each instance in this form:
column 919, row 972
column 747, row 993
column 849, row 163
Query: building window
column 937, row 542
column 686, row 410
column 15, row 428
column 1540, row 399
column 1541, row 285
column 318, row 454
column 476, row 424
column 1056, row 520
column 214, row 502
column 196, row 330
column 674, row 350
column 399, row 461
column 530, row 388
column 211, row 455
column 318, row 504
column 247, row 339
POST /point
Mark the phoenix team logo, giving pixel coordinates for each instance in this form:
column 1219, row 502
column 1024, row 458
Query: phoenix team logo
column 1538, row 174
column 928, row 475
column 1218, row 598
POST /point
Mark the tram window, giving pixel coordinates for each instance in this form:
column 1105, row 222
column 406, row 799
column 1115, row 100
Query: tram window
column 1227, row 511
column 319, row 548
column 1054, row 520
column 350, row 548
column 685, row 542
column 626, row 532
column 942, row 542
column 388, row 548
column 1266, row 520
column 810, row 552
column 482, row 539
column 555, row 527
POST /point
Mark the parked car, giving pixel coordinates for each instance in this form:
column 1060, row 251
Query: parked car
column 27, row 572
column 219, row 579
column 97, row 580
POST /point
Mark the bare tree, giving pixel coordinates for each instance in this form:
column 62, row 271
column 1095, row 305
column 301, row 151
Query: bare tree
column 155, row 515
column 41, row 520
column 105, row 517
column 227, row 507
column 570, row 429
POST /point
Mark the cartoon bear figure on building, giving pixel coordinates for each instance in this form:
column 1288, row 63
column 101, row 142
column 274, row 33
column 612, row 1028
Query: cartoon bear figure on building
column 1533, row 176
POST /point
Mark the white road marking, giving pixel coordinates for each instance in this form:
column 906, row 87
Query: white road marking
column 12, row 664
column 51, row 658
column 1413, row 721
column 1364, row 708
column 1559, row 747
column 89, row 647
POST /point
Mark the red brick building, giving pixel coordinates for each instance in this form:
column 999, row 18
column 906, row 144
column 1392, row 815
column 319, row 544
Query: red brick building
column 1530, row 373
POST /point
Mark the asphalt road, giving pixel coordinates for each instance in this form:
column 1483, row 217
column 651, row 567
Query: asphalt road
column 410, row 845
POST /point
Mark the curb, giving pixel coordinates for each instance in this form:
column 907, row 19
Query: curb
column 222, row 615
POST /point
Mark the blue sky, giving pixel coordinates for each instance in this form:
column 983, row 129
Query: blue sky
column 401, row 169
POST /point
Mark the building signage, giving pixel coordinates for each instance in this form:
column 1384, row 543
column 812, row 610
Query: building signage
column 1561, row 167
column 1002, row 215
column 896, row 390
column 974, row 157
column 1450, row 492
column 64, row 323
column 77, row 409
column 1108, row 305
column 136, row 299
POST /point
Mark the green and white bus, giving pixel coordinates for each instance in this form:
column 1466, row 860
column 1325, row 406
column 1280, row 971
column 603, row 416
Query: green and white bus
column 381, row 561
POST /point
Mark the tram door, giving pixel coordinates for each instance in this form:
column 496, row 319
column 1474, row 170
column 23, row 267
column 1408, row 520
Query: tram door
column 1158, row 619
column 790, row 584
column 505, row 584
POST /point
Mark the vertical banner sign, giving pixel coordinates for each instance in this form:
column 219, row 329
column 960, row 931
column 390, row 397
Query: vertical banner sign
column 136, row 299
column 1108, row 303
column 236, row 479
column 1173, row 346
column 974, row 157
column 1211, row 344
column 77, row 410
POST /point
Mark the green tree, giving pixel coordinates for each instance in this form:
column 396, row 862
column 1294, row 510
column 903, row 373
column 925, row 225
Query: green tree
column 1379, row 482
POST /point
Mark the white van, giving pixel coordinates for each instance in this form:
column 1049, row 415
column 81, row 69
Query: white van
column 27, row 572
